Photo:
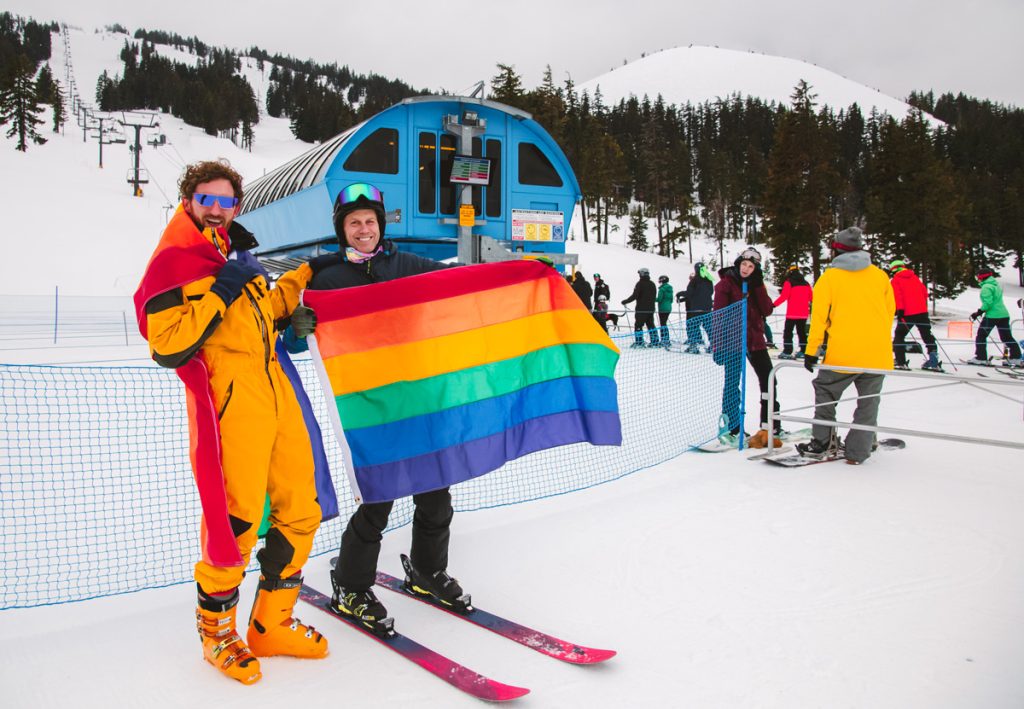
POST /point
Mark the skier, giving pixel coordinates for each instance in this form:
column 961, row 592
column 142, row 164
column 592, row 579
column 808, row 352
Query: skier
column 214, row 325
column 601, row 287
column 644, row 293
column 366, row 257
column 745, row 270
column 994, row 315
column 797, row 295
column 853, row 309
column 698, row 295
column 582, row 288
column 911, row 310
column 664, row 309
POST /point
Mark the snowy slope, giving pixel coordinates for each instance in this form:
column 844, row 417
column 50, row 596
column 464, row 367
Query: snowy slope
column 698, row 74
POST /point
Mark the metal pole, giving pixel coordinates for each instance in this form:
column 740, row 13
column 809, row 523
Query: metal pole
column 56, row 300
column 101, row 143
column 743, row 372
column 124, row 319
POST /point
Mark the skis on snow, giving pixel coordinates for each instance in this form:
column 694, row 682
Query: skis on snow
column 453, row 673
column 534, row 639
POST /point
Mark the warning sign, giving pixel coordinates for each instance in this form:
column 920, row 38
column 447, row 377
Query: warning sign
column 537, row 225
column 467, row 215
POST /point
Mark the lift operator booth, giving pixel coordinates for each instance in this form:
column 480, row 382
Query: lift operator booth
column 462, row 177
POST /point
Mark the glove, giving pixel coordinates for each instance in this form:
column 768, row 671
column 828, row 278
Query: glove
column 755, row 279
column 977, row 314
column 625, row 302
column 899, row 315
column 810, row 362
column 322, row 261
column 303, row 321
column 232, row 278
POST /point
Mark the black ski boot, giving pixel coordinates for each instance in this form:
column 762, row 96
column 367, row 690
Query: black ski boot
column 438, row 588
column 820, row 451
column 362, row 608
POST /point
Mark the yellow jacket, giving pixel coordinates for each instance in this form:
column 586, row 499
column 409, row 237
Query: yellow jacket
column 853, row 308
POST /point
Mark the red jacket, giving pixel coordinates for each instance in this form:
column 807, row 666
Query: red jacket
column 797, row 299
column 911, row 294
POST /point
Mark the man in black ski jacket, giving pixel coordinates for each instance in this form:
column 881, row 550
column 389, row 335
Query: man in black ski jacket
column 582, row 288
column 698, row 296
column 366, row 257
column 644, row 293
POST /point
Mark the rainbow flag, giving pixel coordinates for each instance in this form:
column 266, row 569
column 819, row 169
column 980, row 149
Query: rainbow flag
column 442, row 377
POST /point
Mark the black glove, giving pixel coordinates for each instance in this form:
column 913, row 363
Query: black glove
column 810, row 362
column 755, row 279
column 625, row 302
column 977, row 314
column 899, row 315
column 322, row 261
column 232, row 278
column 303, row 321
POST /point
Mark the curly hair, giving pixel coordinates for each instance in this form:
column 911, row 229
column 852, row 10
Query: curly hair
column 199, row 172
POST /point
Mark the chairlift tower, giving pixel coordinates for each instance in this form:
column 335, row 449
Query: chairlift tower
column 138, row 121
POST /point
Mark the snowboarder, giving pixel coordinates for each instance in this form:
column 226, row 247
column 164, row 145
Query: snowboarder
column 664, row 309
column 911, row 310
column 853, row 308
column 213, row 324
column 797, row 295
column 644, row 293
column 746, row 270
column 994, row 315
column 366, row 257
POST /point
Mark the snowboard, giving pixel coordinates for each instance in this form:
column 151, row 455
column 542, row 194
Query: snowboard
column 796, row 460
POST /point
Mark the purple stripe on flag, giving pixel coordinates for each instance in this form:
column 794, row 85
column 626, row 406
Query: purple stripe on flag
column 455, row 464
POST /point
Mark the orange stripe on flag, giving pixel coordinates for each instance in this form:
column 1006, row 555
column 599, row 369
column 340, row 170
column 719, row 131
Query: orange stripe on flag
column 413, row 361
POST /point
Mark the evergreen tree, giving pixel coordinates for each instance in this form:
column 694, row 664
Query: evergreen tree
column 507, row 87
column 637, row 229
column 914, row 205
column 19, row 105
column 801, row 180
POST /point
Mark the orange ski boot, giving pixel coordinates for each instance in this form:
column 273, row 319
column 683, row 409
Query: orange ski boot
column 273, row 630
column 222, row 647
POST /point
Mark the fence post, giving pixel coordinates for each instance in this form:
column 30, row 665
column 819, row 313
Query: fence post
column 56, row 300
column 124, row 319
column 743, row 370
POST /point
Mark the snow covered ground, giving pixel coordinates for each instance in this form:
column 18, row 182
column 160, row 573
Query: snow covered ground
column 720, row 582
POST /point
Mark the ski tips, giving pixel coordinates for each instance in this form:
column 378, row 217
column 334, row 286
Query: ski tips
column 588, row 656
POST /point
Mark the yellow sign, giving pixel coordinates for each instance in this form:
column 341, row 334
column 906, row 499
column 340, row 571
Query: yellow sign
column 467, row 215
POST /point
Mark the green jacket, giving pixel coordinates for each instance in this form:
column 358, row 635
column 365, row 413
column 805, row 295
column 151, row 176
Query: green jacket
column 992, row 299
column 665, row 298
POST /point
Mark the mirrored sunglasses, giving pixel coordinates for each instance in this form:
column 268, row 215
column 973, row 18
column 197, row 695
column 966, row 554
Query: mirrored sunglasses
column 208, row 200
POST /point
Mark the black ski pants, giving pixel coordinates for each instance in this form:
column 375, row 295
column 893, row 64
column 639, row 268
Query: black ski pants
column 663, row 322
column 360, row 543
column 1002, row 325
column 924, row 326
column 642, row 319
column 800, row 326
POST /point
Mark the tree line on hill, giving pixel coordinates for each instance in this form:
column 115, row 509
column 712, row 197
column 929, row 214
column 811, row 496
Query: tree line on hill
column 942, row 187
column 25, row 87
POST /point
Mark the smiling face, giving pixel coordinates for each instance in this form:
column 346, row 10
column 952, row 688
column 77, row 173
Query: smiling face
column 362, row 232
column 746, row 268
column 214, row 215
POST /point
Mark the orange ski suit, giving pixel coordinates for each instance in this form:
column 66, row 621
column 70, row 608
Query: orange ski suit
column 264, row 445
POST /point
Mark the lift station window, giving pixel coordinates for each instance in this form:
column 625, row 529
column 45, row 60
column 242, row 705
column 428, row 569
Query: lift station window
column 427, row 173
column 535, row 168
column 377, row 153
column 494, row 188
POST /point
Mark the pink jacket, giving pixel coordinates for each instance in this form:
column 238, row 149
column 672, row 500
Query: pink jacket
column 799, row 297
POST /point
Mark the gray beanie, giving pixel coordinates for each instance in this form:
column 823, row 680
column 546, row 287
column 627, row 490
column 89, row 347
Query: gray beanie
column 851, row 239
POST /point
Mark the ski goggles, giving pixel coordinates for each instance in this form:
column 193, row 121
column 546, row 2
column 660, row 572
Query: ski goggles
column 359, row 190
column 208, row 200
column 750, row 255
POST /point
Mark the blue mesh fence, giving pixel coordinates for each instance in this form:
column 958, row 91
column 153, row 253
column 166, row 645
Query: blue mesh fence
column 96, row 490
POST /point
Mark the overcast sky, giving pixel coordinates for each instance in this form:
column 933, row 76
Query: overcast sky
column 892, row 45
